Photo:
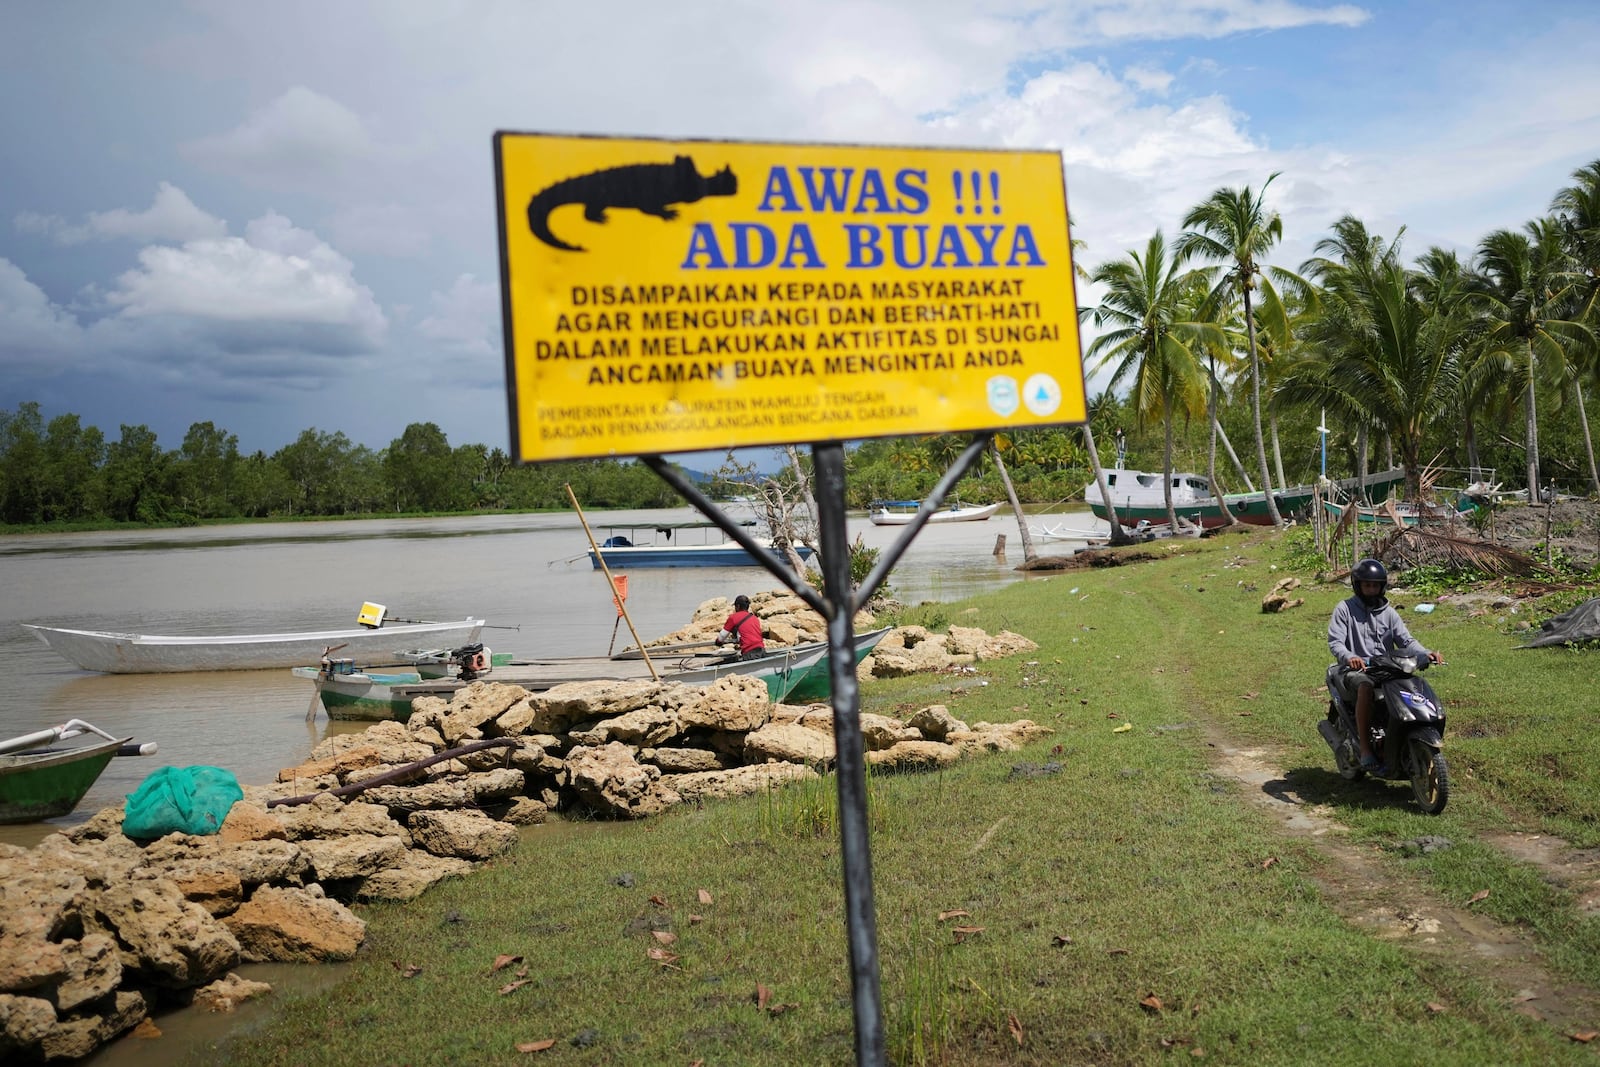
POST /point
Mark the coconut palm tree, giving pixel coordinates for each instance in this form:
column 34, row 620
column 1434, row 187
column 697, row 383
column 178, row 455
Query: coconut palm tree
column 1350, row 252
column 1153, row 339
column 1234, row 227
column 1387, row 356
column 1577, row 211
column 1527, row 289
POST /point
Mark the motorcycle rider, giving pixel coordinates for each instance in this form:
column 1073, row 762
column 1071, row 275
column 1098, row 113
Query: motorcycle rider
column 1364, row 626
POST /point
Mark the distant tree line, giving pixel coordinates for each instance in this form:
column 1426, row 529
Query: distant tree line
column 62, row 473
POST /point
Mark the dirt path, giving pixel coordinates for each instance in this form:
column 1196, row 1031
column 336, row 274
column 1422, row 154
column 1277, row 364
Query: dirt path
column 1359, row 882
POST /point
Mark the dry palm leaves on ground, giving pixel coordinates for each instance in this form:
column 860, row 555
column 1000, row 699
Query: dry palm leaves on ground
column 1415, row 546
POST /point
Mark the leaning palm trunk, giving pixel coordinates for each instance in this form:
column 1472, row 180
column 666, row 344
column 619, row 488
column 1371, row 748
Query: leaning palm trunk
column 1588, row 442
column 1244, row 475
column 1255, row 408
column 1118, row 535
column 1211, row 455
column 1470, row 436
column 1011, row 495
column 1277, row 451
column 1532, row 431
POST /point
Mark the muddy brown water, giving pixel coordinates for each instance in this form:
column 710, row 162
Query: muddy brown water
column 512, row 570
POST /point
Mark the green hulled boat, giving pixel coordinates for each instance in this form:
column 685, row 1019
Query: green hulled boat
column 1140, row 495
column 349, row 694
column 817, row 683
column 38, row 782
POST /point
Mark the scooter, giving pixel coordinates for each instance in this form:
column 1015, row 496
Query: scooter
column 1406, row 727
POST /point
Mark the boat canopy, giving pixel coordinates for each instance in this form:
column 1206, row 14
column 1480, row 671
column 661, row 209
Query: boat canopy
column 668, row 527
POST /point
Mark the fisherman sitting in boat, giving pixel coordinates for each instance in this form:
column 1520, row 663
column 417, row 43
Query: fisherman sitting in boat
column 743, row 626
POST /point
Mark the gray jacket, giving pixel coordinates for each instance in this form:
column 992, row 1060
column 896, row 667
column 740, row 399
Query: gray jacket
column 1356, row 630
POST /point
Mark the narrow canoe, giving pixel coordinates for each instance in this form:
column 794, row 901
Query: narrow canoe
column 374, row 696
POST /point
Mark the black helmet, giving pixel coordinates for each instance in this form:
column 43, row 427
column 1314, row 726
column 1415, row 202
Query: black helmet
column 1369, row 570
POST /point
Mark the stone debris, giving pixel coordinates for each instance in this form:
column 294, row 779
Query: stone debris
column 98, row 931
column 1278, row 599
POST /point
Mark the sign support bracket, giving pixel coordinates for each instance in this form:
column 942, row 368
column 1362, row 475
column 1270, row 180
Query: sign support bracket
column 838, row 605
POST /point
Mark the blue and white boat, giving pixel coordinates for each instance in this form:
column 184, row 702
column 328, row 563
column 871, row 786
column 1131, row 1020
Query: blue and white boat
column 677, row 544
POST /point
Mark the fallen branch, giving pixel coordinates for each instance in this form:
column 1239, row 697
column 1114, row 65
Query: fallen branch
column 399, row 774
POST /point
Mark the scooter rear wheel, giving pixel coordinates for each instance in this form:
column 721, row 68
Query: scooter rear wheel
column 1430, row 778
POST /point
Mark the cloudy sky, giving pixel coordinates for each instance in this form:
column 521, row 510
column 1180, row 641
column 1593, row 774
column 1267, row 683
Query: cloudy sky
column 281, row 216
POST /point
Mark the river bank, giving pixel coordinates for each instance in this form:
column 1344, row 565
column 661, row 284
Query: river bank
column 1113, row 892
column 102, row 932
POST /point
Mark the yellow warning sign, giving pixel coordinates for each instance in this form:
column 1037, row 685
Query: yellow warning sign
column 676, row 296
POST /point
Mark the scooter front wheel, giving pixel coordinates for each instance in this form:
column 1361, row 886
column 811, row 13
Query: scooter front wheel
column 1430, row 778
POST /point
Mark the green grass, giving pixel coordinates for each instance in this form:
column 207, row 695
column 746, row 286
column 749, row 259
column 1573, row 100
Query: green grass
column 1133, row 872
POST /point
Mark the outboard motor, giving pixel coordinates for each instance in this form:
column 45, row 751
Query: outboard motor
column 470, row 661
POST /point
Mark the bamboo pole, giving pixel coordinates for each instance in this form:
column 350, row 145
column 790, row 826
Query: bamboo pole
column 616, row 593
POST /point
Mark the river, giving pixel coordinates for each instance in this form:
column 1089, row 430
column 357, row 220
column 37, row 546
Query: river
column 526, row 574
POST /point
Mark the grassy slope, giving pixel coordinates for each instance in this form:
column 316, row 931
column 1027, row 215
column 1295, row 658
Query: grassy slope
column 1132, row 872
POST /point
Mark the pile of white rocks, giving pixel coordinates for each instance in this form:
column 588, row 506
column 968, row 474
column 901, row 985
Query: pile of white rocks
column 97, row 930
column 787, row 620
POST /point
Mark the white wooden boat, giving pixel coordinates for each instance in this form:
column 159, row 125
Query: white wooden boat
column 128, row 653
column 1143, row 530
column 901, row 512
column 1056, row 532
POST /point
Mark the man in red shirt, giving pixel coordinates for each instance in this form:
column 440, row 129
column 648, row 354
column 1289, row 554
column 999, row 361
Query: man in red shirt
column 743, row 626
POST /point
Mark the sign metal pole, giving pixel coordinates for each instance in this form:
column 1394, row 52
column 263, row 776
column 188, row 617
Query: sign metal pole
column 850, row 766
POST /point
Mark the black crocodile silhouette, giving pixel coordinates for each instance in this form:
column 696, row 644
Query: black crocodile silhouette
column 646, row 187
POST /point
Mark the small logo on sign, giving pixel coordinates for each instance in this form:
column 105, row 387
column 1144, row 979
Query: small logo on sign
column 1003, row 395
column 1042, row 394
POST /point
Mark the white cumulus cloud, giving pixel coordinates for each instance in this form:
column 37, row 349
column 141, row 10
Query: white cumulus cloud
column 172, row 216
column 299, row 139
column 278, row 281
